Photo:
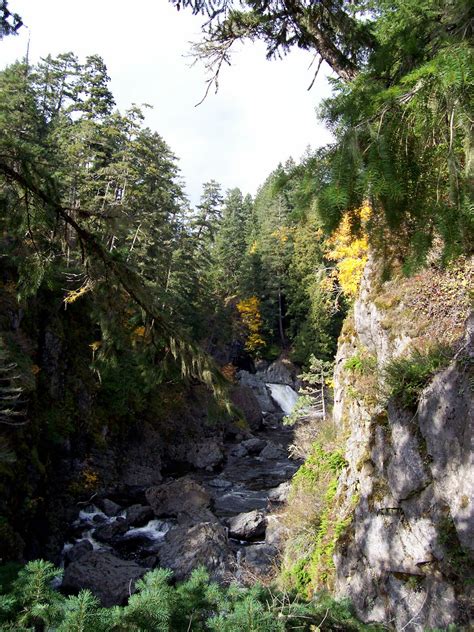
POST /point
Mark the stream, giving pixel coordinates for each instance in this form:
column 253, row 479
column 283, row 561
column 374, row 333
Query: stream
column 226, row 519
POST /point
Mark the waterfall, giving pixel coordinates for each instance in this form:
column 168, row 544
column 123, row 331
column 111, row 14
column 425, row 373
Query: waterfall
column 284, row 396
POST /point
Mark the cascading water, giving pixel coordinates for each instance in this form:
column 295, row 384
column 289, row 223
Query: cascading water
column 284, row 396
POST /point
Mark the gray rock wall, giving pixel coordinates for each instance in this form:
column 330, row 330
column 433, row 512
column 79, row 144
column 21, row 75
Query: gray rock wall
column 407, row 554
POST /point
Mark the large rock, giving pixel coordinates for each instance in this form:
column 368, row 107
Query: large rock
column 247, row 526
column 249, row 403
column 109, row 507
column 108, row 532
column 187, row 547
column 109, row 578
column 138, row 515
column 78, row 550
column 281, row 372
column 205, row 454
column 240, row 501
column 183, row 498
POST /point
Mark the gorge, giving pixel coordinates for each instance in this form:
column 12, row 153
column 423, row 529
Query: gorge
column 254, row 412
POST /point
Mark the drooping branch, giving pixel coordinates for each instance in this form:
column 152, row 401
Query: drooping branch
column 194, row 362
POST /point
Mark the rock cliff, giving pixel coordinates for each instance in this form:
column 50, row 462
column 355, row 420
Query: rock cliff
column 406, row 556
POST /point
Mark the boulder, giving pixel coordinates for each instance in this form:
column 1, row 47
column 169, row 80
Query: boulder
column 244, row 398
column 78, row 550
column 247, row 526
column 108, row 507
column 281, row 372
column 139, row 515
column 187, row 547
column 182, row 498
column 206, row 454
column 109, row 578
column 109, row 532
column 259, row 391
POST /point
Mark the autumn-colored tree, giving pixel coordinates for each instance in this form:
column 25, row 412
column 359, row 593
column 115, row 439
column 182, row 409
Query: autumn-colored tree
column 349, row 251
column 249, row 311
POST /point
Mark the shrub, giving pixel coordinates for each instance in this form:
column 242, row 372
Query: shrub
column 196, row 605
column 406, row 377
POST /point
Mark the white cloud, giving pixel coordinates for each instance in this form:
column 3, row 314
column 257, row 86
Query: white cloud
column 261, row 115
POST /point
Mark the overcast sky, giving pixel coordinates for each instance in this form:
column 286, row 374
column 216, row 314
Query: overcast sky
column 262, row 114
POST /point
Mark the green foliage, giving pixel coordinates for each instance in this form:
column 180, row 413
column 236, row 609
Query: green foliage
column 361, row 364
column 8, row 574
column 197, row 604
column 406, row 377
column 308, row 564
column 404, row 139
column 319, row 463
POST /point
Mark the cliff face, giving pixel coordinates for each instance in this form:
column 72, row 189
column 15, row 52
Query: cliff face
column 405, row 557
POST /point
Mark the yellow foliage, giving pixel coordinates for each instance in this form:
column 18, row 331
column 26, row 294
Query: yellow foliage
column 73, row 295
column 281, row 234
column 35, row 369
column 95, row 345
column 249, row 310
column 90, row 478
column 349, row 252
column 253, row 248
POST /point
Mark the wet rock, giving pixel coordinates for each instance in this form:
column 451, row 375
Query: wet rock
column 247, row 526
column 250, row 403
column 254, row 445
column 240, row 501
column 187, row 547
column 258, row 473
column 220, row 483
column 109, row 578
column 109, row 532
column 78, row 550
column 109, row 507
column 138, row 515
column 180, row 497
column 99, row 519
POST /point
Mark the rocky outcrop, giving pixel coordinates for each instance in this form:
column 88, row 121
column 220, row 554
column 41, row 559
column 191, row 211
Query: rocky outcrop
column 408, row 488
column 110, row 578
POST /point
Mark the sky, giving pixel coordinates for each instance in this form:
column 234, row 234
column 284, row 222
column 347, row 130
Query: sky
column 261, row 115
